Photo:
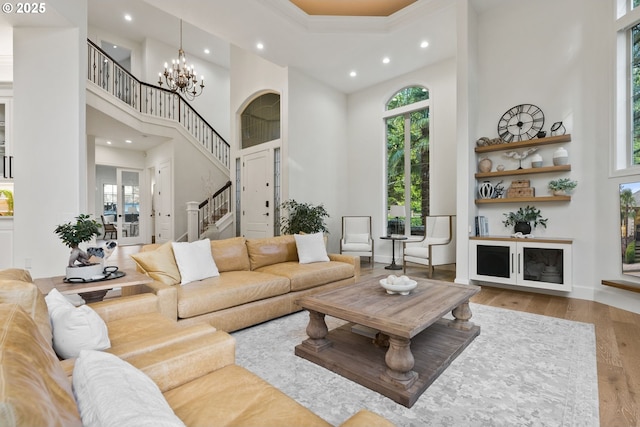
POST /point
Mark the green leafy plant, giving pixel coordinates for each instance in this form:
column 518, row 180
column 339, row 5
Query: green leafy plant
column 529, row 214
column 303, row 218
column 83, row 230
column 562, row 184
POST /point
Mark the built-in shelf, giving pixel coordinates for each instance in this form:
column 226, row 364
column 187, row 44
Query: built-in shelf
column 524, row 199
column 524, row 144
column 527, row 171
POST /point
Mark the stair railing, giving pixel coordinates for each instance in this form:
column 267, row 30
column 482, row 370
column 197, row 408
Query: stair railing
column 155, row 101
column 214, row 208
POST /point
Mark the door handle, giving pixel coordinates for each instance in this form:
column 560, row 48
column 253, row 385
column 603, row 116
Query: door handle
column 10, row 166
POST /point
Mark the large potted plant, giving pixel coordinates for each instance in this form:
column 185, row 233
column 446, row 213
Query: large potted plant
column 522, row 219
column 72, row 234
column 303, row 218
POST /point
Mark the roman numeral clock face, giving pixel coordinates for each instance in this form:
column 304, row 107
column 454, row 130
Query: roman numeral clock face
column 520, row 123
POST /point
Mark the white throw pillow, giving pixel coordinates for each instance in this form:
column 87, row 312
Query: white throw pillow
column 311, row 248
column 112, row 392
column 357, row 238
column 75, row 328
column 194, row 260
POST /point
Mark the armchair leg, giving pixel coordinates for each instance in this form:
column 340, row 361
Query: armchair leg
column 430, row 265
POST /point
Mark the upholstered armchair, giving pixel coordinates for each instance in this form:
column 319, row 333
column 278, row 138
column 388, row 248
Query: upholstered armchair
column 356, row 236
column 438, row 230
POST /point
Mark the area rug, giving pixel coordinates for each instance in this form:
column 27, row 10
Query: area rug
column 523, row 370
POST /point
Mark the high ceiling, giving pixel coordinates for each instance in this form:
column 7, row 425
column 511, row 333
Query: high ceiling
column 351, row 7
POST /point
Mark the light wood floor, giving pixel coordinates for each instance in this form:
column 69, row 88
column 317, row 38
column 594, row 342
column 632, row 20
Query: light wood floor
column 617, row 335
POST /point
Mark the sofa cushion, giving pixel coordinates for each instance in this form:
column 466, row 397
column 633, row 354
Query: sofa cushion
column 233, row 396
column 305, row 276
column 34, row 389
column 271, row 250
column 112, row 392
column 158, row 262
column 17, row 287
column 311, row 248
column 194, row 260
column 229, row 289
column 230, row 254
column 75, row 328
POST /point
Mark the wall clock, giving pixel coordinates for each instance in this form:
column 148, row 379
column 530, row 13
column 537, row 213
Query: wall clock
column 520, row 123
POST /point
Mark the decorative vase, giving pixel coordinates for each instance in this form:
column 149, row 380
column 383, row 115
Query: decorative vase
column 522, row 227
column 560, row 157
column 484, row 165
column 486, row 190
column 536, row 161
column 500, row 168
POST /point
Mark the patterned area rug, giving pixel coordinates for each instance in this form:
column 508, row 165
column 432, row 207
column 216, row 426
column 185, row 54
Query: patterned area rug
column 523, row 370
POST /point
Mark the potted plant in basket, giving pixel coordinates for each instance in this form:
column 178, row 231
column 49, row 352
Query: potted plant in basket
column 303, row 218
column 521, row 219
column 562, row 186
column 74, row 233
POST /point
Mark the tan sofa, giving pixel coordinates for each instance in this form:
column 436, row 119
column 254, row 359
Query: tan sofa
column 194, row 367
column 260, row 280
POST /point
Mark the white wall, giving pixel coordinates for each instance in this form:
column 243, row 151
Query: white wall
column 318, row 141
column 366, row 147
column 56, row 144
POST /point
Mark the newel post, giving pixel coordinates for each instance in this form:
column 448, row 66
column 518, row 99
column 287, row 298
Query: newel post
column 192, row 221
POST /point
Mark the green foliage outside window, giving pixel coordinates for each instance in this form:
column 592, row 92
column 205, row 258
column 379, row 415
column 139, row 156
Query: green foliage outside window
column 419, row 154
column 635, row 92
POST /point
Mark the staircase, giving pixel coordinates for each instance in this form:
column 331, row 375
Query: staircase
column 214, row 214
column 154, row 101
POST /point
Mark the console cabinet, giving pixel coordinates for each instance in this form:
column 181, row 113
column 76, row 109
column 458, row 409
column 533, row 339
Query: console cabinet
column 535, row 263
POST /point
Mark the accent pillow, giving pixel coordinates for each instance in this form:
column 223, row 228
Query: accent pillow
column 194, row 260
column 357, row 238
column 159, row 264
column 112, row 392
column 311, row 248
column 75, row 328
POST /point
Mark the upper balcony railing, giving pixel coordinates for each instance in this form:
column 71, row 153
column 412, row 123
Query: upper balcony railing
column 153, row 101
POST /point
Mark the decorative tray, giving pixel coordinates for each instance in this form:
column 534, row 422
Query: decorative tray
column 99, row 278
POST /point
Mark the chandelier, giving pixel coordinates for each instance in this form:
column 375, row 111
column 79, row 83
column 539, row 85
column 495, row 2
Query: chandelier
column 181, row 78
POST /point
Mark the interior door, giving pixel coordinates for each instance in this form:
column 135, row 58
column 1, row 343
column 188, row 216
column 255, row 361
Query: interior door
column 164, row 204
column 257, row 195
column 129, row 205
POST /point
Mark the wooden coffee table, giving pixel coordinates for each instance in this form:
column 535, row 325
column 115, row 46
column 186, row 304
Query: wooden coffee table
column 420, row 343
column 92, row 291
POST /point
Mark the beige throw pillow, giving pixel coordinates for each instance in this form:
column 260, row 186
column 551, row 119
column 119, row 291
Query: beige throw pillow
column 159, row 264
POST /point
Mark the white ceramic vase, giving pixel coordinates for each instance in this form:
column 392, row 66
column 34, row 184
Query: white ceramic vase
column 560, row 157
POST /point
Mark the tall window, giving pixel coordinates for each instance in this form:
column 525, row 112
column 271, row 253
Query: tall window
column 260, row 121
column 628, row 85
column 407, row 124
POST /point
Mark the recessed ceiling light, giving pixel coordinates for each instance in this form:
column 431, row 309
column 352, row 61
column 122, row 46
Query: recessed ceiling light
column 353, row 74
column 260, row 46
column 115, row 47
column 386, row 60
column 424, row 44
column 128, row 17
column 128, row 141
column 108, row 142
column 207, row 51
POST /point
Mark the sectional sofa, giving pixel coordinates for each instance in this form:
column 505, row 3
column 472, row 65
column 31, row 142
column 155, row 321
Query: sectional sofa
column 259, row 280
column 195, row 380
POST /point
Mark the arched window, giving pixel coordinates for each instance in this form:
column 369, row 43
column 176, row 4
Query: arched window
column 260, row 121
column 407, row 142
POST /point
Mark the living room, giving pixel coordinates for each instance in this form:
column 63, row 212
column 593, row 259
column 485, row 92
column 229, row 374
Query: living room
column 560, row 56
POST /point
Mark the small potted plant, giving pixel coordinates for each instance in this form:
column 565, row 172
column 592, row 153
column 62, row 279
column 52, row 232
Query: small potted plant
column 72, row 234
column 303, row 218
column 562, row 186
column 522, row 219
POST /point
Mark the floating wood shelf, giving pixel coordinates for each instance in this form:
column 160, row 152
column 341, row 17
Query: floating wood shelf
column 524, row 144
column 524, row 200
column 545, row 169
column 622, row 284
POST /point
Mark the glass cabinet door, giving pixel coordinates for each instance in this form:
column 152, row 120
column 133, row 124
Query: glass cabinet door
column 545, row 265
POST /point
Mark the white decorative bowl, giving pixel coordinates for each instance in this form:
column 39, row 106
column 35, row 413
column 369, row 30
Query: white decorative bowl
column 402, row 289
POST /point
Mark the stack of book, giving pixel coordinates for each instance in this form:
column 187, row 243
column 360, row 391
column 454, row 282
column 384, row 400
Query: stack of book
column 482, row 226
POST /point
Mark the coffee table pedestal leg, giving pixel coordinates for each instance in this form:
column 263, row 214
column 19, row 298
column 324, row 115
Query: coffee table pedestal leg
column 462, row 314
column 317, row 331
column 400, row 361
